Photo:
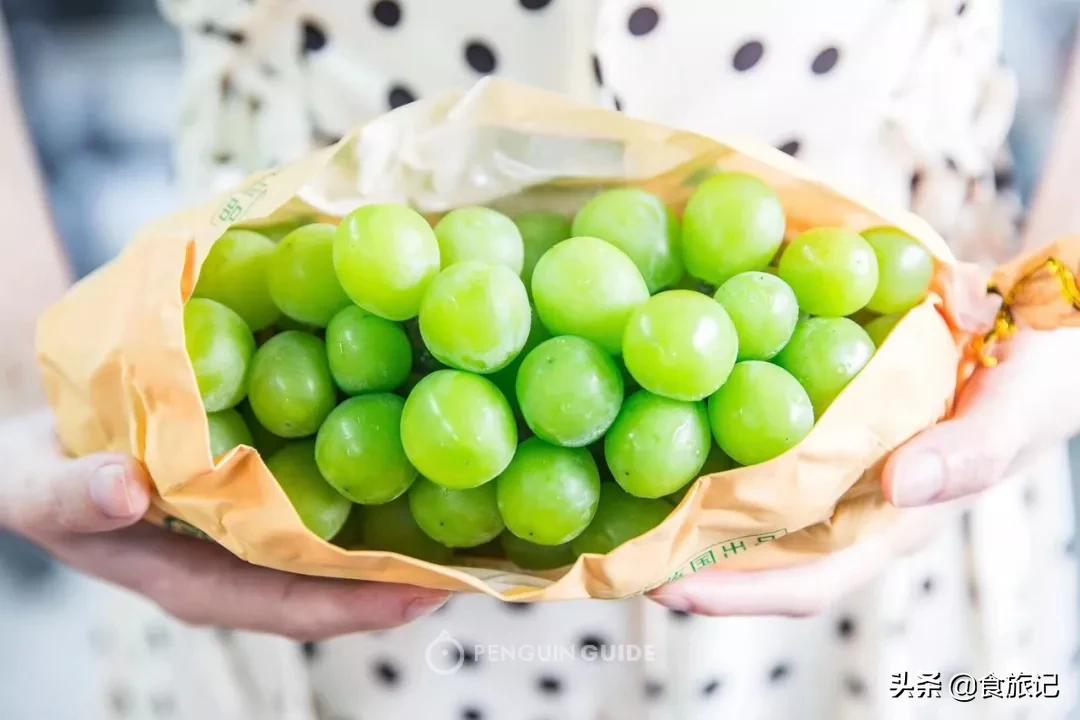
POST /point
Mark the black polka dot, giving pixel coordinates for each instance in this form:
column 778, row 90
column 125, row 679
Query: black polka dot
column 653, row 689
column 549, row 685
column 961, row 8
column 680, row 615
column 643, row 20
column 314, row 37
column 710, row 687
column 1003, row 179
column 845, row 627
column 387, row 673
column 222, row 158
column 310, row 649
column 236, row 37
column 779, row 672
column 748, row 55
column 916, row 181
column 386, row 12
column 855, row 686
column 399, row 95
column 791, row 147
column 472, row 713
column 594, row 642
column 618, row 103
column 598, row 72
column 535, row 4
column 825, row 61
column 951, row 164
column 480, row 57
column 465, row 655
column 928, row 585
column 226, row 88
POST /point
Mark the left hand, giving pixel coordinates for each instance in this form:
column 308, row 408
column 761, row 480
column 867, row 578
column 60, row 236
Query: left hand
column 1028, row 400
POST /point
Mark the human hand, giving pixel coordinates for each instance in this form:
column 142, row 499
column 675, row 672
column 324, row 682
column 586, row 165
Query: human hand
column 86, row 513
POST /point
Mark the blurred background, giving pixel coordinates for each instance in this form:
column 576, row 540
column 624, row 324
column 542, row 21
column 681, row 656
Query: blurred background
column 100, row 81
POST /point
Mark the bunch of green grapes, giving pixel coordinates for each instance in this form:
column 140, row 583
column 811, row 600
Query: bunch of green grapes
column 537, row 387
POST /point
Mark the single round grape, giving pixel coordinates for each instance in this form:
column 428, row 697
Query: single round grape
column 639, row 224
column 506, row 379
column 475, row 316
column 879, row 328
column 291, row 390
column 301, row 278
column 585, row 286
column 824, row 354
column 531, row 556
column 764, row 311
column 480, row 234
column 657, row 445
column 458, row 429
column 716, row 462
column 732, row 223
column 761, row 412
column 905, row 269
column 619, row 517
column 367, row 353
column 227, row 430
column 680, row 344
column 266, row 442
column 385, row 256
column 569, row 390
column 833, row 271
column 456, row 518
column 540, row 231
column 319, row 506
column 548, row 494
column 359, row 450
column 219, row 345
column 234, row 274
column 390, row 527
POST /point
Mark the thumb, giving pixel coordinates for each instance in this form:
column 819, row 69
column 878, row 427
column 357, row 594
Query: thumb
column 93, row 494
column 963, row 455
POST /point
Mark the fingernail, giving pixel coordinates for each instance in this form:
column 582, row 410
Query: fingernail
column 109, row 491
column 921, row 479
column 425, row 606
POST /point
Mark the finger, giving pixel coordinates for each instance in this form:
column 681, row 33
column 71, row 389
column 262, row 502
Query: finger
column 203, row 584
column 970, row 452
column 798, row 591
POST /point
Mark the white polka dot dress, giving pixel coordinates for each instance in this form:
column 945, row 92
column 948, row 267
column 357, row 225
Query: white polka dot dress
column 902, row 98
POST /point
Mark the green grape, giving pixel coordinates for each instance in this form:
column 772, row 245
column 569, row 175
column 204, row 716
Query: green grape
column 291, row 390
column 457, row 429
column 657, row 445
column 732, row 223
column 824, row 354
column 266, row 442
column 531, row 556
column 234, row 274
column 219, row 345
column 833, row 271
column 680, row 344
column 366, row 352
column 761, row 412
column 227, row 430
column 540, row 231
column 385, row 256
column 905, row 269
column 639, row 224
column 585, row 286
column 506, row 379
column 359, row 450
column 390, row 527
column 879, row 328
column 764, row 310
column 319, row 506
column 548, row 494
column 456, row 518
column 619, row 517
column 301, row 276
column 570, row 391
column 716, row 462
column 480, row 234
column 475, row 316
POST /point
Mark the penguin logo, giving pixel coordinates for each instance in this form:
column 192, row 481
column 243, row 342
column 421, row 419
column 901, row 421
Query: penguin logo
column 445, row 655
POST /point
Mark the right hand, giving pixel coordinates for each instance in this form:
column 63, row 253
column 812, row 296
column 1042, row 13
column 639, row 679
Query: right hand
column 87, row 513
